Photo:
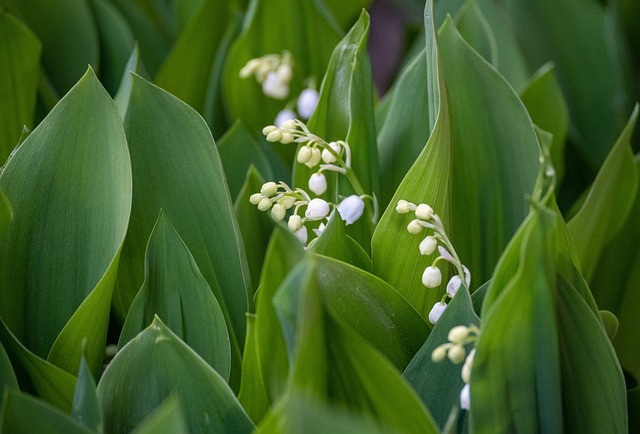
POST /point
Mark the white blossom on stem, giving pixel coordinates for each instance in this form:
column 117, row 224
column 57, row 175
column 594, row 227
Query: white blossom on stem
column 351, row 208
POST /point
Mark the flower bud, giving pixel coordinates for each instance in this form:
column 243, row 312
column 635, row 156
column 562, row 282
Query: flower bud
column 282, row 118
column 278, row 211
column 304, row 155
column 424, row 212
column 301, row 234
column 414, row 227
column 295, row 223
column 318, row 183
column 284, row 73
column 274, row 136
column 327, row 156
column 428, row 245
column 269, row 128
column 286, row 138
column 458, row 334
column 453, row 286
column 432, row 277
column 256, row 198
column 456, row 354
column 288, row 201
column 351, row 208
column 249, row 68
column 307, row 102
column 269, row 188
column 317, row 209
column 439, row 354
column 466, row 368
column 290, row 123
column 264, row 204
column 403, row 207
column 316, row 155
column 436, row 312
column 465, row 397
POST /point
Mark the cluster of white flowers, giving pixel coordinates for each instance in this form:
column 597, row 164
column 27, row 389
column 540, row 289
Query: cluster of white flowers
column 314, row 152
column 432, row 276
column 273, row 71
column 458, row 337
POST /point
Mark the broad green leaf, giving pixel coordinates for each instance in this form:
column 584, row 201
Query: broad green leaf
column 6, row 213
column 547, row 107
column 59, row 256
column 19, row 72
column 23, row 414
column 608, row 203
column 7, row 375
column 238, row 151
column 166, row 419
column 345, row 112
column 134, row 64
column 476, row 169
column 186, row 70
column 157, row 364
column 68, row 34
column 256, row 227
column 633, row 402
column 116, row 42
column 175, row 290
column 336, row 244
column 359, row 301
column 572, row 35
column 475, row 29
column 304, row 28
column 253, row 394
column 176, row 168
column 85, row 407
column 335, row 364
column 406, row 128
column 439, row 384
column 268, row 366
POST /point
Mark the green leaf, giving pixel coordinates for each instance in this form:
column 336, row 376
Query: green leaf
column 336, row 244
column 304, row 28
column 6, row 213
column 166, row 419
column 439, row 384
column 175, row 289
column 68, row 34
column 547, row 107
column 86, row 408
column 186, row 70
column 358, row 300
column 346, row 13
column 176, row 168
column 134, row 64
column 267, row 364
column 157, row 364
column 7, row 375
column 608, row 203
column 238, row 151
column 23, row 414
column 19, row 72
column 59, row 256
column 476, row 30
column 116, row 42
column 476, row 169
column 335, row 364
column 253, row 395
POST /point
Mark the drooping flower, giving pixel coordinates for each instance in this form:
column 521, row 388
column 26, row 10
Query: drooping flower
column 454, row 284
column 278, row 211
column 274, row 87
column 283, row 116
column 351, row 208
column 436, row 312
column 465, row 397
column 318, row 183
column 307, row 102
column 295, row 223
column 424, row 212
column 317, row 209
column 428, row 245
column 301, row 234
column 431, row 277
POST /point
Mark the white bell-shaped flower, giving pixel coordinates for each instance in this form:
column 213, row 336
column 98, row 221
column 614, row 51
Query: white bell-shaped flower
column 319, row 230
column 295, row 223
column 307, row 102
column 453, row 286
column 424, row 211
column 278, row 211
column 274, row 87
column 318, row 183
column 315, row 158
column 465, row 397
column 402, row 207
column 301, row 234
column 351, row 208
column 283, row 116
column 428, row 245
column 327, row 156
column 431, row 277
column 436, row 312
column 466, row 368
column 269, row 188
column 317, row 209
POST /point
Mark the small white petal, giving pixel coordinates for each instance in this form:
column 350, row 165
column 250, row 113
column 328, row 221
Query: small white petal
column 327, row 156
column 288, row 201
column 318, row 183
column 465, row 398
column 307, row 102
column 319, row 230
column 428, row 245
column 301, row 234
column 317, row 209
column 446, row 255
column 436, row 312
column 467, row 276
column 283, row 116
column 351, row 209
column 431, row 277
column 453, row 285
column 466, row 368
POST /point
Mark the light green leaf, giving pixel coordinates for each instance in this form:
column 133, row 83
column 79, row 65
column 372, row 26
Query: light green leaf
column 175, row 289
column 439, row 384
column 547, row 107
column 19, row 72
column 253, row 394
column 134, row 64
column 304, row 28
column 166, row 419
column 6, row 213
column 85, row 407
column 608, row 203
column 475, row 171
column 23, row 414
column 476, row 30
column 59, row 256
column 176, row 168
column 157, row 364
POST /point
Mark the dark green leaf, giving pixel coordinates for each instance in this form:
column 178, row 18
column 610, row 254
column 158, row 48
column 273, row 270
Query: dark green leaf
column 166, row 419
column 6, row 213
column 7, row 376
column 86, row 408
